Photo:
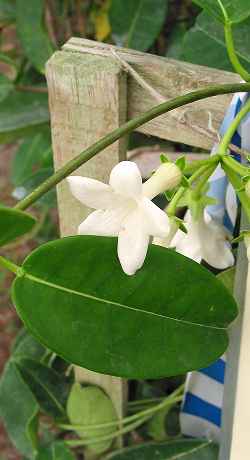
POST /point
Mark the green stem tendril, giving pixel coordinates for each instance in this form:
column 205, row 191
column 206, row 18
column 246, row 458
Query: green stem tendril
column 235, row 166
column 232, row 53
column 237, row 184
column 128, row 127
column 136, row 419
column 206, row 169
column 197, row 192
column 6, row 263
column 171, row 399
column 226, row 140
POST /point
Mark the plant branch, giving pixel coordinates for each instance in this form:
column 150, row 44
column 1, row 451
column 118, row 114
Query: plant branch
column 225, row 142
column 232, row 53
column 131, row 125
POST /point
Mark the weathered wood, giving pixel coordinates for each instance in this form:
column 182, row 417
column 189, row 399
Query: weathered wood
column 236, row 404
column 195, row 124
column 87, row 96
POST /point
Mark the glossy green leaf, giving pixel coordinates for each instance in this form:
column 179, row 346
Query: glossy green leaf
column 137, row 23
column 49, row 388
column 169, row 318
column 18, row 409
column 91, row 406
column 33, row 151
column 57, row 451
column 21, row 114
column 237, row 10
column 14, row 223
column 7, row 11
column 173, row 450
column 32, row 34
column 6, row 86
column 204, row 43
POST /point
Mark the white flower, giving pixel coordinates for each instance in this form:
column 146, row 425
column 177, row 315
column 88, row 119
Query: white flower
column 123, row 210
column 205, row 240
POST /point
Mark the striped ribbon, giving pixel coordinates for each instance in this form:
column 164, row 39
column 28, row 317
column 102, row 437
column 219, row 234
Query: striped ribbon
column 202, row 405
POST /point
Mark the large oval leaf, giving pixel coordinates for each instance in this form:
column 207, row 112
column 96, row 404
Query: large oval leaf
column 167, row 319
column 237, row 10
column 183, row 449
column 13, row 223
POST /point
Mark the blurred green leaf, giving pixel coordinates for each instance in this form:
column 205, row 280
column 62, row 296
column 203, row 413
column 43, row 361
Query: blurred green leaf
column 237, row 10
column 18, row 409
column 14, row 223
column 156, row 425
column 48, row 387
column 80, row 301
column 33, row 151
column 7, row 11
column 137, row 23
column 91, row 406
column 31, row 31
column 6, row 86
column 26, row 345
column 175, row 41
column 204, row 43
column 21, row 114
column 57, row 451
column 183, row 449
column 49, row 199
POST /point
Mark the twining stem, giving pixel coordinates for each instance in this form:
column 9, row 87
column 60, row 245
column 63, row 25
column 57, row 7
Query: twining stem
column 141, row 418
column 203, row 181
column 237, row 167
column 131, row 125
column 237, row 184
column 206, row 169
column 6, row 263
column 176, row 396
column 224, row 144
column 232, row 53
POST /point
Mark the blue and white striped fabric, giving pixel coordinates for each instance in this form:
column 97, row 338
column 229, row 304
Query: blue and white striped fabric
column 202, row 406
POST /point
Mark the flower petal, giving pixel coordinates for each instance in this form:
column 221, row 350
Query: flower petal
column 125, row 179
column 156, row 221
column 187, row 244
column 103, row 223
column 132, row 243
column 93, row 193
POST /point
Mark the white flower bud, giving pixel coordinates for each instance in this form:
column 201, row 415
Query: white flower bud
column 166, row 177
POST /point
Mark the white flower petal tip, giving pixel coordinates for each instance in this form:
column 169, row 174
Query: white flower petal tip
column 206, row 240
column 125, row 179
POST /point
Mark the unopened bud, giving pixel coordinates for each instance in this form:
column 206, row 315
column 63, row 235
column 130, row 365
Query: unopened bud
column 166, row 177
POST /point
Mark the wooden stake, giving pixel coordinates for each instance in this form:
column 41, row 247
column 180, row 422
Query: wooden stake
column 88, row 99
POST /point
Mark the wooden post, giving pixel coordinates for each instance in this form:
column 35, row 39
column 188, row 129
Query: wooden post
column 88, row 98
column 236, row 404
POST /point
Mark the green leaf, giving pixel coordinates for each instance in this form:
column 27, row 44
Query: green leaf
column 49, row 199
column 204, row 43
column 156, row 425
column 48, row 387
column 14, row 223
column 32, row 34
column 22, row 114
column 26, row 345
column 137, row 23
column 32, row 152
column 237, row 10
column 57, row 451
column 92, row 314
column 185, row 449
column 6, row 86
column 7, row 11
column 19, row 410
column 227, row 278
column 91, row 406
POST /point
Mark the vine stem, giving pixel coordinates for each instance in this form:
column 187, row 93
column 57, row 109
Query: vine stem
column 232, row 53
column 224, row 144
column 6, row 263
column 126, row 128
column 206, row 169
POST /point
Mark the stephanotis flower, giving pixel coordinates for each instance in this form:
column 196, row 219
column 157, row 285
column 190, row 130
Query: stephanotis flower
column 206, row 240
column 124, row 209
